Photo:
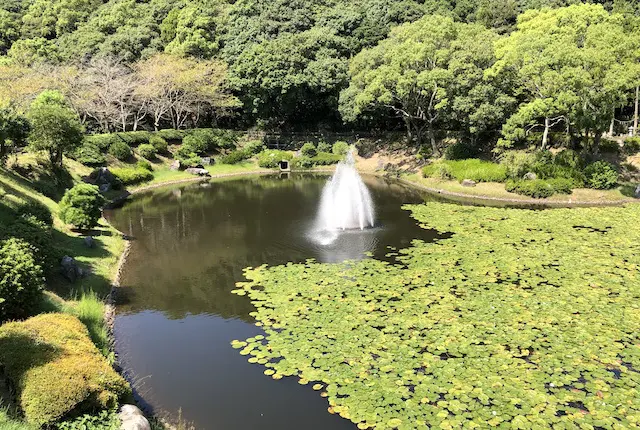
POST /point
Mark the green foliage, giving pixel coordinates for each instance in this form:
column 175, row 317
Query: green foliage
column 132, row 176
column 520, row 319
column 37, row 234
column 270, row 158
column 199, row 142
column 56, row 369
column 148, row 151
column 309, row 150
column 89, row 309
column 324, row 146
column 159, row 143
column 171, row 134
column 601, row 175
column 89, row 155
column 37, row 210
column 254, row 147
column 320, row 159
column 609, row 146
column 540, row 188
column 187, row 156
column 14, row 129
column 105, row 420
column 81, row 206
column 631, row 146
column 134, row 138
column 55, row 127
column 21, row 279
column 340, row 148
column 460, row 150
column 120, row 150
column 145, row 165
column 517, row 163
column 102, row 141
column 235, row 157
column 474, row 169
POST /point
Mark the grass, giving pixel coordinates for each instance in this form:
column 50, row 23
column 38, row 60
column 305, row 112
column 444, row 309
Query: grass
column 497, row 190
column 473, row 169
column 7, row 422
column 89, row 309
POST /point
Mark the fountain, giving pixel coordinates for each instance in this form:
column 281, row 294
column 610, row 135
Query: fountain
column 345, row 202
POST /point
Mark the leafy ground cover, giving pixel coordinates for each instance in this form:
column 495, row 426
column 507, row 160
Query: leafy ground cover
column 522, row 319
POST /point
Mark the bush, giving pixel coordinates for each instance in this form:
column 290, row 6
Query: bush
column 517, row 163
column 145, row 165
column 601, row 175
column 271, row 157
column 130, row 176
column 437, row 170
column 37, row 210
column 80, row 206
column 340, row 148
column 159, row 144
column 21, row 279
column 631, row 146
column 147, row 151
column 324, row 147
column 38, row 235
column 302, row 163
column 309, row 150
column 171, row 135
column 537, row 188
column 120, row 150
column 326, row 159
column 187, row 157
column 89, row 155
column 56, row 370
column 105, row 420
column 134, row 138
column 254, row 147
column 474, row 169
column 562, row 185
column 235, row 157
column 460, row 151
column 609, row 146
column 102, row 141
column 198, row 143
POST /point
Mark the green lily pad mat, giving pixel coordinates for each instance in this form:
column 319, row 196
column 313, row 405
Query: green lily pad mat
column 522, row 319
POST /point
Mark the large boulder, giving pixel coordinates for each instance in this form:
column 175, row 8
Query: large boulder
column 89, row 242
column 530, row 176
column 207, row 161
column 198, row 171
column 70, row 269
column 637, row 192
column 132, row 418
column 102, row 176
column 468, row 183
column 175, row 165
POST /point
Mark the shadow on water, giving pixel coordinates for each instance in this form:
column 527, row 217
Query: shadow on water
column 176, row 316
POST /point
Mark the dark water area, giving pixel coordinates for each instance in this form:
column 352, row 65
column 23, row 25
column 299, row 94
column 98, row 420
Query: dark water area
column 176, row 316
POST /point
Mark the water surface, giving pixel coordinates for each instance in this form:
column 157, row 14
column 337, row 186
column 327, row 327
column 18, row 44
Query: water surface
column 177, row 317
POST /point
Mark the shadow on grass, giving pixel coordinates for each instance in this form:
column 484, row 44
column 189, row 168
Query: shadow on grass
column 629, row 190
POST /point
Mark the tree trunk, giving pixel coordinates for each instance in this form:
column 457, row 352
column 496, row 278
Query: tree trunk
column 596, row 142
column 545, row 135
column 407, row 122
column 635, row 114
column 613, row 120
column 432, row 139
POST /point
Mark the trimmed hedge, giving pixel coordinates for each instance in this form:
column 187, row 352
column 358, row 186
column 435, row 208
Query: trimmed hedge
column 134, row 138
column 130, row 176
column 120, row 150
column 56, row 370
column 171, row 134
column 271, row 157
column 631, row 146
column 340, row 148
column 159, row 144
column 80, row 206
column 89, row 154
column 147, row 151
column 21, row 279
column 601, row 175
column 540, row 188
column 309, row 150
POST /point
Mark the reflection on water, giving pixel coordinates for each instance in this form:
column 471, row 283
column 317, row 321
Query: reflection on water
column 177, row 316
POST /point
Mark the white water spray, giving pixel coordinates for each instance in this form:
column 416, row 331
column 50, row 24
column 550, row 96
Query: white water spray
column 345, row 203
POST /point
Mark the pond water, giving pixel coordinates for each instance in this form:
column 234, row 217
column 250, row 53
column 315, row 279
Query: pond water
column 176, row 316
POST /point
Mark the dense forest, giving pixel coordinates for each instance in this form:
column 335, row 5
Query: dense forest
column 485, row 70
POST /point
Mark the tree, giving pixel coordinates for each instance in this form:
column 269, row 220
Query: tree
column 21, row 279
column 424, row 73
column 194, row 30
column 81, row 206
column 14, row 129
column 567, row 63
column 55, row 127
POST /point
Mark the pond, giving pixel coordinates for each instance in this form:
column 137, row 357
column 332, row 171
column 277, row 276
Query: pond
column 176, row 316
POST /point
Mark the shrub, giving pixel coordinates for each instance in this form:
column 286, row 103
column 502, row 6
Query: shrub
column 187, row 156
column 562, row 185
column 130, row 176
column 21, row 279
column 171, row 134
column 145, row 165
column 235, row 157
column 89, row 155
column 225, row 139
column 326, row 159
column 198, row 143
column 120, row 150
column 609, row 146
column 102, row 141
column 105, row 420
column 631, row 146
column 254, row 147
column 159, row 144
column 601, row 175
column 80, row 206
column 56, row 370
column 134, row 138
column 309, row 150
column 324, row 147
column 271, row 157
column 340, row 148
column 38, row 235
column 537, row 188
column 460, row 151
column 302, row 163
column 147, row 151
column 37, row 210
column 517, row 163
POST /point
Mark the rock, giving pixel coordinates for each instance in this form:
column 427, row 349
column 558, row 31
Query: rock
column 198, row 171
column 637, row 193
column 175, row 165
column 102, row 176
column 69, row 268
column 89, row 242
column 206, row 161
column 105, row 188
column 530, row 176
column 468, row 183
column 132, row 418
